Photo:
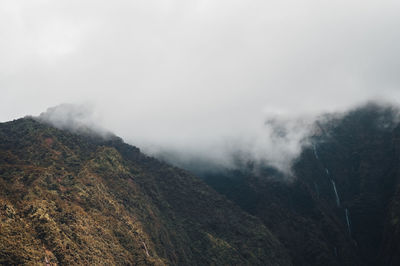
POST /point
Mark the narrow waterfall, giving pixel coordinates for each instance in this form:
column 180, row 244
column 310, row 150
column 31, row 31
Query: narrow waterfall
column 336, row 193
column 315, row 152
column 348, row 220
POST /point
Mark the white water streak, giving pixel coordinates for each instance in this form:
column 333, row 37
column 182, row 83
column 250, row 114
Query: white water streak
column 348, row 220
column 336, row 193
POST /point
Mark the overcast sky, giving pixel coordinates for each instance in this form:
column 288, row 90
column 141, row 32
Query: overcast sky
column 184, row 73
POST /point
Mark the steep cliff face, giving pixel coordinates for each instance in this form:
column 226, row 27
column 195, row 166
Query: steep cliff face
column 311, row 228
column 76, row 199
column 342, row 208
column 359, row 155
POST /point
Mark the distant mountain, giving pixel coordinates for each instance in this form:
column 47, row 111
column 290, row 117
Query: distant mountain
column 72, row 198
column 343, row 205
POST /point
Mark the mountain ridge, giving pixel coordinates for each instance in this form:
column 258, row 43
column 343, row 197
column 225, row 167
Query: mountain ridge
column 76, row 199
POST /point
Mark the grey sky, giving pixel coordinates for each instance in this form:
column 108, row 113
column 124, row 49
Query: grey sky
column 184, row 73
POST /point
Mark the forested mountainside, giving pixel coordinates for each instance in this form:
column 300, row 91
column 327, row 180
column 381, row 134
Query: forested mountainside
column 342, row 206
column 69, row 198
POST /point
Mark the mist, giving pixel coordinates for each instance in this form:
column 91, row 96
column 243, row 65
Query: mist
column 79, row 119
column 199, row 80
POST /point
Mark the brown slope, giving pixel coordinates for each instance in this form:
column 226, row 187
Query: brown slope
column 75, row 199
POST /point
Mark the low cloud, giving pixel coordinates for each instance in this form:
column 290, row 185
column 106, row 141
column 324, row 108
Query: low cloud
column 199, row 77
column 276, row 142
column 77, row 118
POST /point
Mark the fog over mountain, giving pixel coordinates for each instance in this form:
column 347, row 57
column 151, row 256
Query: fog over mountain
column 203, row 77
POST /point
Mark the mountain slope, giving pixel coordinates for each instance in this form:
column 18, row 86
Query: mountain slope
column 80, row 199
column 343, row 207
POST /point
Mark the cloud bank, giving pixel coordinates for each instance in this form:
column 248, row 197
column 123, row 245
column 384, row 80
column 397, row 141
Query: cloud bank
column 198, row 75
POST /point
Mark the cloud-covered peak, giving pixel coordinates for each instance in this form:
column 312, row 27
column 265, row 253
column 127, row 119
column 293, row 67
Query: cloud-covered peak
column 77, row 118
